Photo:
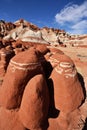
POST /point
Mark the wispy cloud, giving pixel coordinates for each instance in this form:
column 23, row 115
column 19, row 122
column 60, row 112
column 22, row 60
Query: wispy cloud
column 79, row 28
column 74, row 17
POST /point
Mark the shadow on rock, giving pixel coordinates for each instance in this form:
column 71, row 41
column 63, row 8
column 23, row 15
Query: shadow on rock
column 85, row 127
column 81, row 80
column 53, row 112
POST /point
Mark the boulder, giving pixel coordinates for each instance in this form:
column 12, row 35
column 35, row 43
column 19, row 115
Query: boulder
column 21, row 69
column 68, row 92
column 5, row 56
column 35, row 103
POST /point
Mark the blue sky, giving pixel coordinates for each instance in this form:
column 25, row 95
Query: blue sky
column 63, row 14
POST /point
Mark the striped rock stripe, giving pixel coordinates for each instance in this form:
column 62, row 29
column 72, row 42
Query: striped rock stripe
column 66, row 69
column 23, row 66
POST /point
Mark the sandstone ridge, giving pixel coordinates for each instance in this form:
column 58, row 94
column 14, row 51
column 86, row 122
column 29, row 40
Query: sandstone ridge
column 26, row 31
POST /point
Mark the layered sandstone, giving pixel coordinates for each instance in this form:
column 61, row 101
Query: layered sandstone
column 5, row 27
column 29, row 32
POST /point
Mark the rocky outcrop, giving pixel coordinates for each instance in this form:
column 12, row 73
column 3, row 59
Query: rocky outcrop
column 77, row 41
column 28, row 32
column 33, row 113
column 40, row 88
column 5, row 27
column 20, row 69
column 37, row 85
column 5, row 56
column 64, row 74
column 53, row 36
column 25, row 23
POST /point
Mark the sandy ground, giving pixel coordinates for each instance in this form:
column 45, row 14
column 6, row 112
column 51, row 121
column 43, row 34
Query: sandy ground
column 75, row 52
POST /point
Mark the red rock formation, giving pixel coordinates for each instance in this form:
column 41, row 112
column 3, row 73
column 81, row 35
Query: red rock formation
column 17, row 44
column 36, row 89
column 24, row 23
column 40, row 82
column 66, row 85
column 33, row 112
column 22, row 67
column 55, row 50
column 5, row 56
column 7, row 42
column 42, row 48
column 56, row 57
column 5, row 27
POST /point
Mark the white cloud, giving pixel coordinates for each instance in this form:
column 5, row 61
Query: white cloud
column 74, row 17
column 79, row 28
column 80, row 25
column 72, row 13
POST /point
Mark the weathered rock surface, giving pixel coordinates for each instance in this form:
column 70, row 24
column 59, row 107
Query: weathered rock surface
column 5, row 56
column 5, row 27
column 41, row 93
column 33, row 113
column 66, row 85
column 41, row 88
column 21, row 68
column 29, row 32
